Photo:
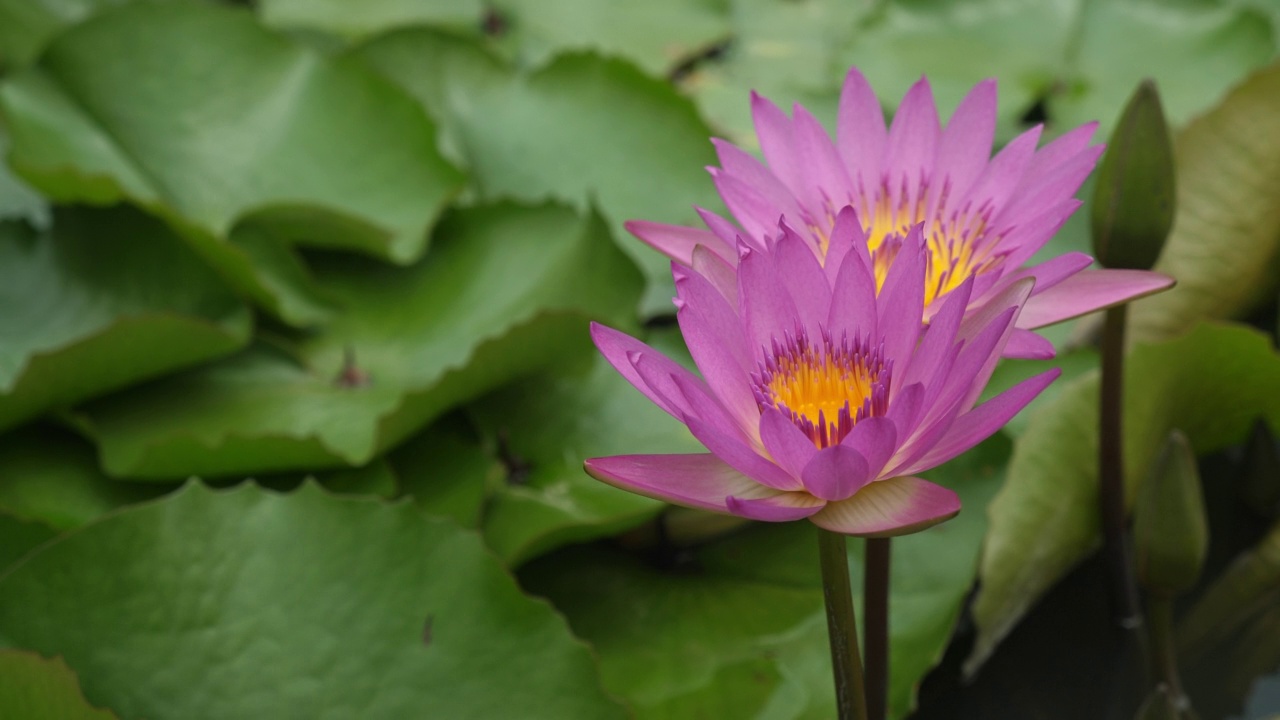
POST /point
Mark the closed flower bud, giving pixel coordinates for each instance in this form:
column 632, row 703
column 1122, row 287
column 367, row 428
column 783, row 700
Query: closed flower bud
column 1170, row 531
column 1133, row 201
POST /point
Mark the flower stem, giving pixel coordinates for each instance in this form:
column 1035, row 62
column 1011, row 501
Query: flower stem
column 1164, row 659
column 1124, row 592
column 875, row 602
column 842, row 627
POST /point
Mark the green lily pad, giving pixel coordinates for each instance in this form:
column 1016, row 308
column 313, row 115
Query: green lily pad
column 52, row 476
column 1211, row 383
column 105, row 299
column 1225, row 243
column 548, row 425
column 449, row 471
column 736, row 628
column 583, row 129
column 240, row 132
column 303, row 605
column 19, row 537
column 33, row 688
column 506, row 289
column 370, row 17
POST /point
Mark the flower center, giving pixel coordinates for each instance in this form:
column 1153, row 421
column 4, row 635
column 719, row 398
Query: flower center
column 826, row 387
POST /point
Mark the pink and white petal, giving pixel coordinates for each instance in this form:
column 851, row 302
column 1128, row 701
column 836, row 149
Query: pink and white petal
column 835, row 473
column 826, row 175
column 898, row 506
column 789, row 447
column 720, row 274
column 802, row 274
column 965, row 146
column 1027, row 345
column 777, row 141
column 1089, row 291
column 676, row 241
column 742, row 457
column 701, row 480
column 875, row 439
column 861, row 136
column 901, row 299
column 983, row 421
column 776, row 508
column 768, row 312
column 913, row 138
column 619, row 349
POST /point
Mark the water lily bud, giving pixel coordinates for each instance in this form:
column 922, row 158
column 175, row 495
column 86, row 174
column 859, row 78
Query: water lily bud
column 1171, row 534
column 1260, row 481
column 1133, row 200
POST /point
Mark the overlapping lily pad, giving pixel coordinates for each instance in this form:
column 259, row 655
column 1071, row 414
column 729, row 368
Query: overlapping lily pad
column 105, row 299
column 243, row 127
column 34, row 688
column 582, row 129
column 505, row 289
column 1211, row 383
column 251, row 604
column 736, row 628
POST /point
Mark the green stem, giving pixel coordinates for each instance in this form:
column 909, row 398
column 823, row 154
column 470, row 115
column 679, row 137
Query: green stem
column 1164, row 659
column 875, row 603
column 1124, row 592
column 842, row 627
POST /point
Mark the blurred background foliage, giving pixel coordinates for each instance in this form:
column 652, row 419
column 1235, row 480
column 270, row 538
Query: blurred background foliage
column 336, row 260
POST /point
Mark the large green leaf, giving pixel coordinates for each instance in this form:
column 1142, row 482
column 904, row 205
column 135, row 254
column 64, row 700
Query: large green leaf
column 217, row 124
column 33, row 688
column 506, row 289
column 656, row 35
column 105, row 299
column 19, row 537
column 52, row 476
column 370, row 17
column 582, row 129
column 548, row 425
column 246, row 603
column 1211, row 383
column 736, row 628
column 26, row 25
column 1226, row 236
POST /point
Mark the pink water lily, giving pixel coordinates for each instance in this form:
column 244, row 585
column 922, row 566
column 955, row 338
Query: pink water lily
column 983, row 217
column 822, row 395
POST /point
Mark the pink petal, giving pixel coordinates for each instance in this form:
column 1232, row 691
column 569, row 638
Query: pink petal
column 777, row 142
column 757, row 215
column 1052, row 271
column 1089, row 291
column 983, row 421
column 875, row 439
column 790, row 448
column 835, row 473
column 767, row 309
column 1027, row 345
column 853, row 300
column 803, row 277
column 723, row 229
column 965, row 147
column 700, row 481
column 825, row 173
column 890, row 507
column 846, row 235
column 1004, row 173
column 776, row 508
column 901, row 300
column 938, row 338
column 913, row 137
column 743, row 166
column 675, row 241
column 904, row 409
column 1066, row 147
column 722, row 364
column 619, row 349
column 742, row 458
column 722, row 276
column 860, row 134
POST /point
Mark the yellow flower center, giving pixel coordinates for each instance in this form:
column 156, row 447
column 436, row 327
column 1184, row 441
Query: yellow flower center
column 825, row 388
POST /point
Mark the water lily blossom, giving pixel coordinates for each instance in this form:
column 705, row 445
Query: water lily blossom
column 821, row 394
column 984, row 217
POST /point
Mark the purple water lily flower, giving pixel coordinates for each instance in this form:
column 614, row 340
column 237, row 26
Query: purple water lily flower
column 822, row 395
column 983, row 217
